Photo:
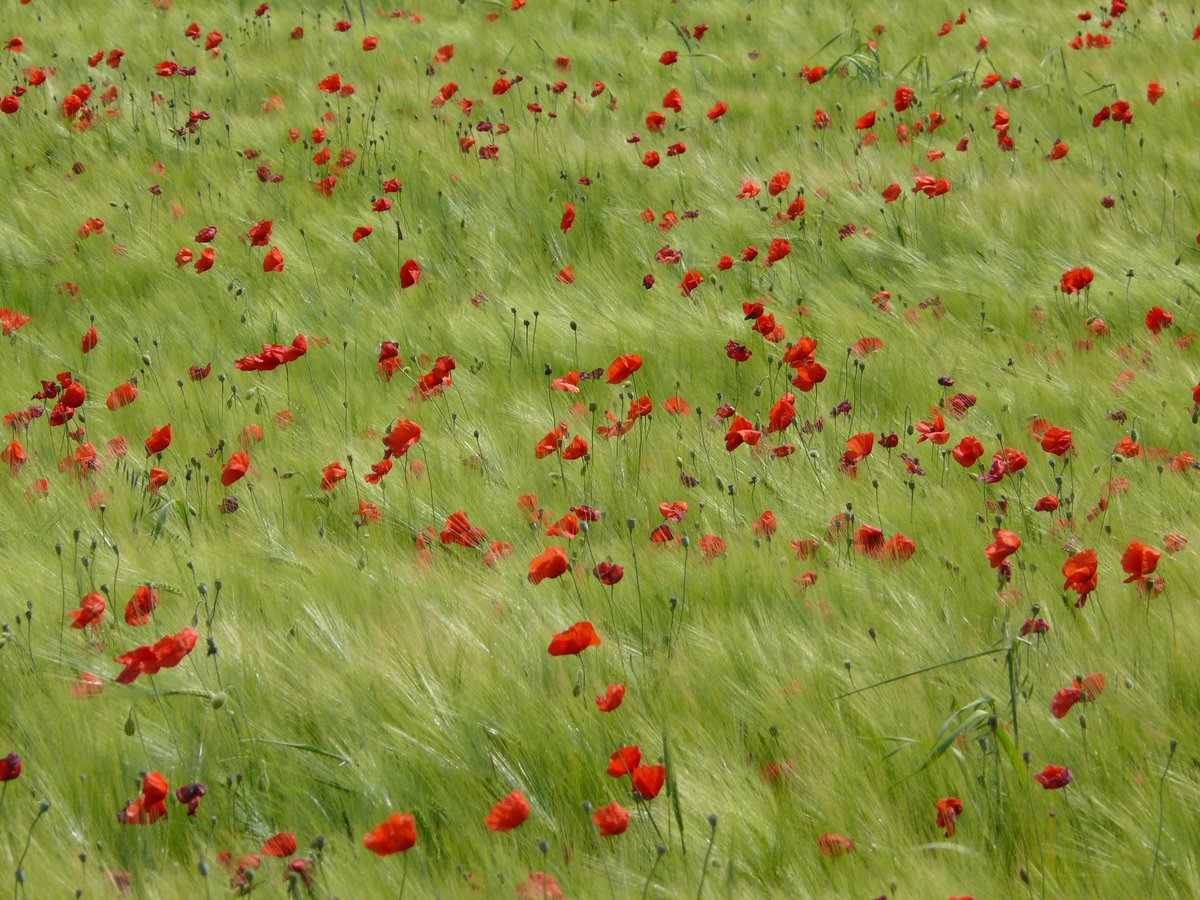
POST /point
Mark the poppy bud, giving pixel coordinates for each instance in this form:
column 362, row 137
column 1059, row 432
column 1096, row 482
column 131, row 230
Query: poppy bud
column 217, row 700
column 130, row 725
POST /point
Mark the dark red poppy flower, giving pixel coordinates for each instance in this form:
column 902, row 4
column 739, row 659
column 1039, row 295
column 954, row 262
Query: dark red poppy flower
column 397, row 834
column 509, row 813
column 1053, row 777
column 190, row 795
column 10, row 767
column 574, row 640
column 948, row 811
column 608, row 573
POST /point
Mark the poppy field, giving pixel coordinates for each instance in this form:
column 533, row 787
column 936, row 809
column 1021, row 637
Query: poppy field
column 600, row 449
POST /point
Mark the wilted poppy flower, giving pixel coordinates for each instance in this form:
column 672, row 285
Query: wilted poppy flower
column 948, row 811
column 281, row 845
column 551, row 563
column 509, row 813
column 611, row 820
column 397, row 834
column 190, row 795
column 574, row 640
column 611, row 698
column 1053, row 777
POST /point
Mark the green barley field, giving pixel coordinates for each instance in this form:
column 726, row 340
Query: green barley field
column 615, row 449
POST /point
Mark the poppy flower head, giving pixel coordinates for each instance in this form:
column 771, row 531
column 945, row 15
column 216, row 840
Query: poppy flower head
column 10, row 767
column 281, row 845
column 611, row 698
column 948, row 811
column 574, row 640
column 1053, row 777
column 508, row 813
column 397, row 834
column 648, row 781
column 551, row 563
column 1139, row 560
column 611, row 820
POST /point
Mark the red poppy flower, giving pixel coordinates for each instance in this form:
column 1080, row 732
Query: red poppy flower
column 948, row 811
column 539, row 885
column 575, row 639
column 1138, row 560
column 10, row 767
column 159, row 440
column 622, row 367
column 1154, row 92
column 1073, row 281
column 273, row 261
column 397, row 834
column 1158, row 319
column 968, row 451
column 1056, row 440
column 1053, row 777
column 401, row 438
column 741, row 431
column 718, row 109
column 459, row 530
column 611, row 820
column 865, row 121
column 691, row 280
column 281, row 845
column 1049, row 503
column 834, row 844
column 608, row 573
column 150, row 806
column 207, row 257
column 624, row 761
column 1080, row 573
column 331, row 475
column 122, row 396
column 611, row 698
column 90, row 612
column 551, row 563
column 410, row 274
column 167, row 653
column 235, row 468
column 673, row 100
column 648, row 781
column 143, row 602
column 903, row 98
column 1005, row 545
column 509, row 813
